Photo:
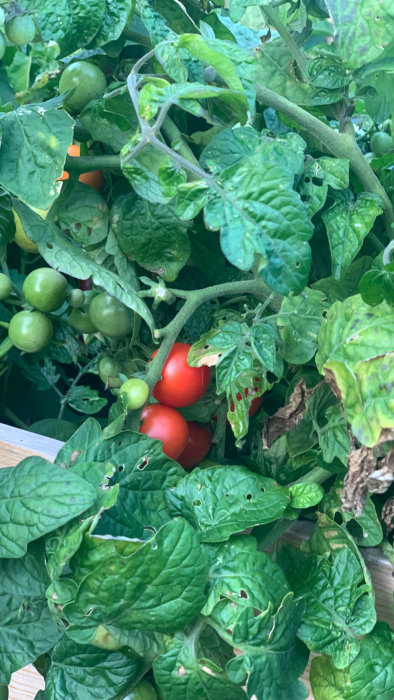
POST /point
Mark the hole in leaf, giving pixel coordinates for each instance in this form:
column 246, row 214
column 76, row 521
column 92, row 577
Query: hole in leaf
column 317, row 181
column 243, row 594
column 89, row 612
column 121, row 468
column 249, row 496
column 154, row 545
column 297, row 263
column 143, row 464
column 50, row 246
column 262, row 489
column 304, row 198
column 196, row 503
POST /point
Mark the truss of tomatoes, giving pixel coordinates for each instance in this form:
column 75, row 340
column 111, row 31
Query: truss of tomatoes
column 180, row 385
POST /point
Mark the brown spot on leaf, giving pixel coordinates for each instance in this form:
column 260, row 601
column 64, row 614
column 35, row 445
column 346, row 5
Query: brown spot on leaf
column 388, row 515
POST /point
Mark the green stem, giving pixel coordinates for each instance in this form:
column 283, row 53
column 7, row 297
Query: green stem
column 64, row 399
column 272, row 535
column 4, row 324
column 3, row 692
column 142, row 39
column 316, row 476
column 18, row 422
column 340, row 145
column 86, row 164
column 177, row 141
column 6, row 346
column 298, row 55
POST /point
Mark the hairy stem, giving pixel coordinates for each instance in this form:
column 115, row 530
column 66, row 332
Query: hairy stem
column 177, row 142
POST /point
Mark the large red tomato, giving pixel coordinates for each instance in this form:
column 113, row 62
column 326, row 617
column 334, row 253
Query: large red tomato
column 180, row 385
column 197, row 446
column 165, row 424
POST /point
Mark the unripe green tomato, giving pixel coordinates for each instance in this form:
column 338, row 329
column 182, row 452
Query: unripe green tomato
column 381, row 143
column 110, row 382
column 137, row 392
column 20, row 29
column 104, row 639
column 5, row 286
column 88, row 80
column 142, row 691
column 45, row 289
column 110, row 366
column 30, row 331
column 112, row 318
column 80, row 319
column 2, row 17
column 3, row 45
column 76, row 298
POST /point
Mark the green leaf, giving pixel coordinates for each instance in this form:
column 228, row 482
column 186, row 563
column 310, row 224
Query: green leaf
column 27, row 628
column 40, row 135
column 365, row 528
column 362, row 30
column 81, row 20
column 265, row 223
column 233, row 63
column 55, row 428
column 35, row 498
column 7, row 223
column 269, row 644
column 378, row 285
column 305, row 495
column 79, row 446
column 142, row 172
column 241, row 576
column 191, row 197
column 67, row 257
column 160, row 587
column 84, row 215
column 116, row 15
column 112, row 121
column 334, row 437
column 370, row 675
column 338, row 606
column 299, row 320
column 355, row 346
column 183, row 672
column 152, row 234
column 143, row 479
column 89, row 673
column 85, row 400
column 318, row 175
column 249, row 499
column 347, row 225
column 275, row 69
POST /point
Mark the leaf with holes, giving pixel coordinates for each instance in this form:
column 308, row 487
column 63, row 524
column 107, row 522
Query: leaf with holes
column 221, row 500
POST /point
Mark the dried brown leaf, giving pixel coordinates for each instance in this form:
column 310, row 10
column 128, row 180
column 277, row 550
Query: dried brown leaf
column 288, row 416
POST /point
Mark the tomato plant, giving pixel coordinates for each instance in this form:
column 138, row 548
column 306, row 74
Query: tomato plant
column 143, row 690
column 197, row 446
column 215, row 182
column 167, row 425
column 180, row 384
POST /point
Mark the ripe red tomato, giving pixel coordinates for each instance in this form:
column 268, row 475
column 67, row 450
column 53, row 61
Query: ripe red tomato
column 180, row 385
column 165, row 424
column 197, row 446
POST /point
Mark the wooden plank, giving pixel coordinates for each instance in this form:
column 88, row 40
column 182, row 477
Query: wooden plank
column 16, row 444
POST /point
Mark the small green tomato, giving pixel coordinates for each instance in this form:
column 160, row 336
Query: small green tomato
column 143, row 690
column 137, row 392
column 76, row 298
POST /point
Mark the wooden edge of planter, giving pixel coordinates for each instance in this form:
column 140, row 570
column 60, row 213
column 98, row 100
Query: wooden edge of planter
column 16, row 444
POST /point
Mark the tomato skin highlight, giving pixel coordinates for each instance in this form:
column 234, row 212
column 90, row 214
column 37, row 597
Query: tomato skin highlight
column 180, row 384
column 30, row 331
column 197, row 446
column 167, row 425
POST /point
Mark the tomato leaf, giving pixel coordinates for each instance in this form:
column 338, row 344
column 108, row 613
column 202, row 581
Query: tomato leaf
column 165, row 575
column 28, row 629
column 250, row 500
column 37, row 497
